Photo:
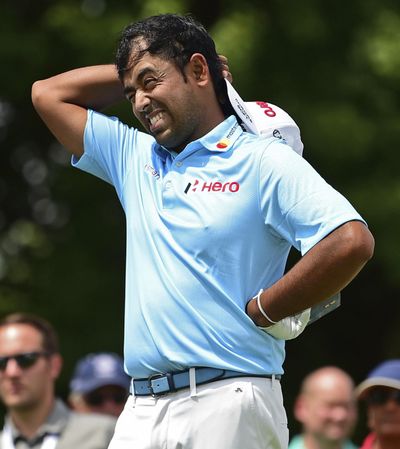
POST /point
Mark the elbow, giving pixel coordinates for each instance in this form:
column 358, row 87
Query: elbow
column 38, row 94
column 370, row 247
column 361, row 243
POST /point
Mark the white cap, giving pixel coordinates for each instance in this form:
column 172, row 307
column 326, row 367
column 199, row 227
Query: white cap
column 266, row 119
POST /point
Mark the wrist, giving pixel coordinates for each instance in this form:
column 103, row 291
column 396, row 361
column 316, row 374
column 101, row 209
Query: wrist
column 257, row 313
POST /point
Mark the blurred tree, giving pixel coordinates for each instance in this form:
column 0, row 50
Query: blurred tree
column 334, row 67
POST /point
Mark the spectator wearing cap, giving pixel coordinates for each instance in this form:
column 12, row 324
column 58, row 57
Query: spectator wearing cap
column 381, row 393
column 99, row 384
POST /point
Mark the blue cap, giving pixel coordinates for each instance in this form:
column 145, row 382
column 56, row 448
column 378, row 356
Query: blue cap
column 387, row 374
column 98, row 370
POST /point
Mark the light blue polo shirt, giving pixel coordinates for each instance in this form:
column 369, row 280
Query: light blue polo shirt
column 206, row 230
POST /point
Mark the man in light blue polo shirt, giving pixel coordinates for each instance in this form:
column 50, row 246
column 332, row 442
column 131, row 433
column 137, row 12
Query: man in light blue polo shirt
column 211, row 214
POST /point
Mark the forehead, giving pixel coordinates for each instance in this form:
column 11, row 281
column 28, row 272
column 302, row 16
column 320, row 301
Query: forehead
column 19, row 338
column 140, row 64
column 332, row 391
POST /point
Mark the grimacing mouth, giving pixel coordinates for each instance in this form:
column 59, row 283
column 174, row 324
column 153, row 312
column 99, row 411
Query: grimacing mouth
column 153, row 119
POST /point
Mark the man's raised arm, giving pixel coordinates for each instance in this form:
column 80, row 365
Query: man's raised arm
column 62, row 101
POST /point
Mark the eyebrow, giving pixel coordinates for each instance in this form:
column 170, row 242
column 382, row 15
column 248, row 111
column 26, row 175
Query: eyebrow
column 143, row 72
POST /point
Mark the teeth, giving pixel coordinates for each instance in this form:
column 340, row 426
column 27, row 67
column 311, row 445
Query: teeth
column 155, row 118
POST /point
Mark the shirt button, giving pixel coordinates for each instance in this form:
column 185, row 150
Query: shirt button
column 168, row 185
column 179, row 164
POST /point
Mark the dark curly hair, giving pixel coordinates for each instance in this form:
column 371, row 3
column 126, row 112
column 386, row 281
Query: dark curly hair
column 173, row 37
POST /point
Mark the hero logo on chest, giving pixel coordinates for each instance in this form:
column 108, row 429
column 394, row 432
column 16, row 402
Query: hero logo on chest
column 212, row 186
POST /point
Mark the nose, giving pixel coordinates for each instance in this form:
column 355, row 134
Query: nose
column 340, row 414
column 142, row 101
column 12, row 368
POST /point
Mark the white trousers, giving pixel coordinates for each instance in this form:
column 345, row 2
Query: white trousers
column 239, row 413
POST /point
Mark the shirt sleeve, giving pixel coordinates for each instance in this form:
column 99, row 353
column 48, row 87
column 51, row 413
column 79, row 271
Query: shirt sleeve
column 109, row 147
column 296, row 202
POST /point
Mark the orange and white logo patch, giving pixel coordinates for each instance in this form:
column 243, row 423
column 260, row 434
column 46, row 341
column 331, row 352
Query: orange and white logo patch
column 223, row 143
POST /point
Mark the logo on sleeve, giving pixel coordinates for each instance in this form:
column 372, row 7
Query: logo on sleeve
column 212, row 186
column 152, row 171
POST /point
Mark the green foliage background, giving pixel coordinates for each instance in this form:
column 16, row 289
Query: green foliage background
column 334, row 66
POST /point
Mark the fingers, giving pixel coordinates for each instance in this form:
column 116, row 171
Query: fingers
column 225, row 68
column 223, row 59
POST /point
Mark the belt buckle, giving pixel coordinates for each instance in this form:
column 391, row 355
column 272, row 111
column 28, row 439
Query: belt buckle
column 168, row 381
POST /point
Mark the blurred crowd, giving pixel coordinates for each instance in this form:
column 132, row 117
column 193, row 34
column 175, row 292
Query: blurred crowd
column 30, row 363
column 327, row 408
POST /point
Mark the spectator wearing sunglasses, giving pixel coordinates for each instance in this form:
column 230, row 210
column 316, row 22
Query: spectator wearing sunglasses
column 99, row 384
column 381, row 393
column 30, row 363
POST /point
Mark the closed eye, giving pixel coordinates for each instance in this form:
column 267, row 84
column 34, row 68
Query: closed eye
column 149, row 83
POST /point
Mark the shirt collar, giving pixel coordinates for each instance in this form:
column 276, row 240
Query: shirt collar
column 54, row 424
column 219, row 139
column 222, row 137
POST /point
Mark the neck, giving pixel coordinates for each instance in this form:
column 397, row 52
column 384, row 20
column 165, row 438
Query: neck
column 29, row 420
column 313, row 442
column 212, row 112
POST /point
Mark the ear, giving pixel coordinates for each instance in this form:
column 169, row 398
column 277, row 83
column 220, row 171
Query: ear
column 56, row 363
column 198, row 69
column 300, row 409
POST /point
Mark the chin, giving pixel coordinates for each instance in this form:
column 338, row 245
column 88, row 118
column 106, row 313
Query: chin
column 336, row 437
column 168, row 140
column 14, row 403
column 164, row 141
column 334, row 434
